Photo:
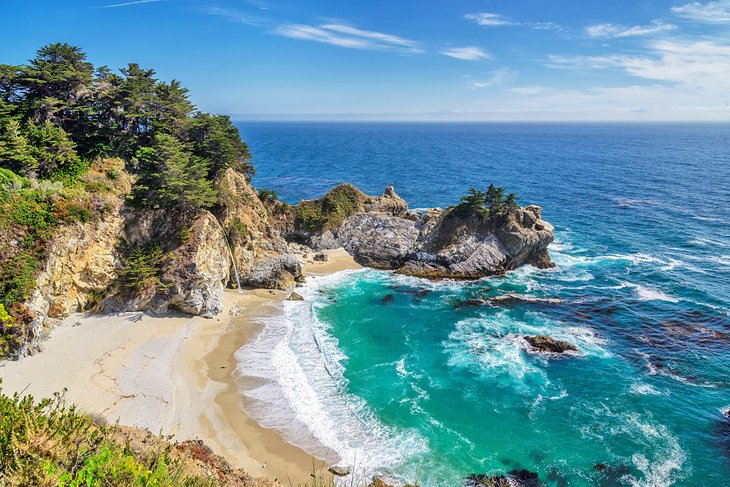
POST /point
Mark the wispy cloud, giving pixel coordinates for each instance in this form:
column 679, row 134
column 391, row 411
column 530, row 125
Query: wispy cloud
column 498, row 77
column 125, row 4
column 694, row 65
column 612, row 31
column 710, row 12
column 487, row 19
column 235, row 15
column 343, row 35
column 468, row 53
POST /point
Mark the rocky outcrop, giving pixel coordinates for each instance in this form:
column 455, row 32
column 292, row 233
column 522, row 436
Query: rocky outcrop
column 458, row 242
column 263, row 257
column 80, row 266
column 546, row 344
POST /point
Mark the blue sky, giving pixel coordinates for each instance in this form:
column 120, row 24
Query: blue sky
column 407, row 59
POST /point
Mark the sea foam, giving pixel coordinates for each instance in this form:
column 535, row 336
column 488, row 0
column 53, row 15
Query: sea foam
column 300, row 389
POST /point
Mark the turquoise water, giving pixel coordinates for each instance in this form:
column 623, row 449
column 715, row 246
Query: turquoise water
column 397, row 376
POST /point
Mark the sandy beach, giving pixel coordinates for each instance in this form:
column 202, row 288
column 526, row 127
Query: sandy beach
column 171, row 374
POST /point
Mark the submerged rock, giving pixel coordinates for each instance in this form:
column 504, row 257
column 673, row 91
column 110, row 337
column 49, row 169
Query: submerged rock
column 388, row 298
column 543, row 343
column 515, row 478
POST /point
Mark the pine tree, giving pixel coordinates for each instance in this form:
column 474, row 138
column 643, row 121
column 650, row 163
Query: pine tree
column 16, row 153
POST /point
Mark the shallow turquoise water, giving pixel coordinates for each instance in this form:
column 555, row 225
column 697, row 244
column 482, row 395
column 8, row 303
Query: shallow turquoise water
column 419, row 386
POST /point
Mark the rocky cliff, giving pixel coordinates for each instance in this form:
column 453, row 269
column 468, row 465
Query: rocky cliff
column 160, row 259
column 381, row 232
column 168, row 258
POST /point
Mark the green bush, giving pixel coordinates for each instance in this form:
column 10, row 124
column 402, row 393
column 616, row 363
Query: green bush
column 49, row 443
column 143, row 267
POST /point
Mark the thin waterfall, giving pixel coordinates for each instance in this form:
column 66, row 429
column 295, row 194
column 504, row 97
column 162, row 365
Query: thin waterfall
column 230, row 254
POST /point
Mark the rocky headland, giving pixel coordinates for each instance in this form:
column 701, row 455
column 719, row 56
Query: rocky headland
column 160, row 259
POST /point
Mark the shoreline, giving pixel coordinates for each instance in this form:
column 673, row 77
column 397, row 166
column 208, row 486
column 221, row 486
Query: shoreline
column 172, row 374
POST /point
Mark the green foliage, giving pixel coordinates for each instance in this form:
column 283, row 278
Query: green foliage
column 54, row 152
column 143, row 266
column 488, row 203
column 237, row 230
column 214, row 138
column 268, row 195
column 49, row 443
column 175, row 176
column 331, row 210
column 16, row 152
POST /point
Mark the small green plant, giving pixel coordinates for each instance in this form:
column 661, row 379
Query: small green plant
column 268, row 195
column 237, row 230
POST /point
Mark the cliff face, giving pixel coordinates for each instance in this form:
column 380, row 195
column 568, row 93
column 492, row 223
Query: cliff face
column 438, row 244
column 160, row 259
column 263, row 258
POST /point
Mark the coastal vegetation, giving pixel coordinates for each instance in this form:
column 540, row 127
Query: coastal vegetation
column 72, row 136
column 487, row 203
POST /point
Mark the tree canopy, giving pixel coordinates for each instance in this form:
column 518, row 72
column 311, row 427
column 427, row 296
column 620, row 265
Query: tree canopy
column 59, row 110
column 489, row 202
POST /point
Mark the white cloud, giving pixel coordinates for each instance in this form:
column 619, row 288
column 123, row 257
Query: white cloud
column 115, row 5
column 488, row 19
column 469, row 53
column 347, row 36
column 694, row 65
column 710, row 12
column 608, row 31
column 498, row 77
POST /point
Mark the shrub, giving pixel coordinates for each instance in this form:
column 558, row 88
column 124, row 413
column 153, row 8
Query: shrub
column 268, row 195
column 143, row 267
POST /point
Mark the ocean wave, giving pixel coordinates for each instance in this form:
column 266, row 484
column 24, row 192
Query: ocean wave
column 494, row 347
column 300, row 390
column 658, row 458
column 643, row 389
column 650, row 294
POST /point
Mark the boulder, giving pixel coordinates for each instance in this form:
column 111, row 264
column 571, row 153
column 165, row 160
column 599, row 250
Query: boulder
column 543, row 343
column 320, row 257
column 339, row 471
column 294, row 296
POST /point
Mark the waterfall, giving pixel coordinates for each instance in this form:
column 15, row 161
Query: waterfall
column 230, row 254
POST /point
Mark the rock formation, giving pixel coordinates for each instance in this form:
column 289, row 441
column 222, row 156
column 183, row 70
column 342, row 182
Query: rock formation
column 380, row 232
column 170, row 258
column 543, row 343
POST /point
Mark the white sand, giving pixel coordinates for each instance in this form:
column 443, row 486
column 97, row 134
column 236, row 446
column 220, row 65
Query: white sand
column 170, row 374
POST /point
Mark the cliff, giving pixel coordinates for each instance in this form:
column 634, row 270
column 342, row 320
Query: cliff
column 157, row 259
column 458, row 242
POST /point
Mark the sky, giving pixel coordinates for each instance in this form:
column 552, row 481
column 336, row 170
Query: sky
column 461, row 60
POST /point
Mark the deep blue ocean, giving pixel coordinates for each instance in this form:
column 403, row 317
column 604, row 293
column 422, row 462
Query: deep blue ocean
column 421, row 389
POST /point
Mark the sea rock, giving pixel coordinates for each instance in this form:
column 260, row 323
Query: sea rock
column 543, row 343
column 294, row 296
column 388, row 298
column 515, row 478
column 380, row 232
column 377, row 240
column 378, row 482
column 320, row 257
column 339, row 471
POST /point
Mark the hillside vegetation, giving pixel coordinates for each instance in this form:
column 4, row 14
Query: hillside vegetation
column 71, row 134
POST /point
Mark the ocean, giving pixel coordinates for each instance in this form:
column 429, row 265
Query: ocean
column 419, row 388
